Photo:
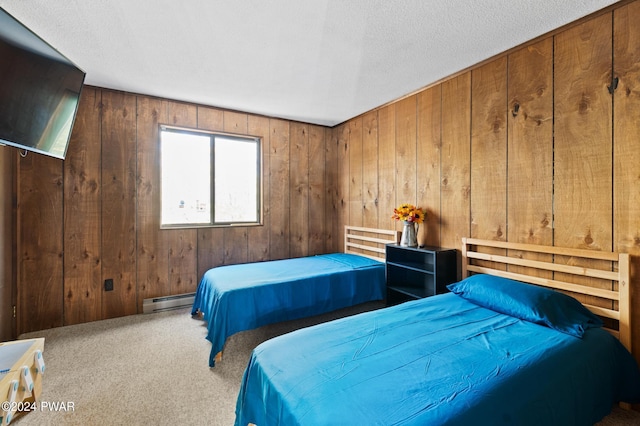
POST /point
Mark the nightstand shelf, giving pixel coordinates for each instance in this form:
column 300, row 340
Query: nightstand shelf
column 414, row 273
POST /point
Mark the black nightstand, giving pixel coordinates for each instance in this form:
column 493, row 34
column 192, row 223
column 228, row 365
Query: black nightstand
column 414, row 273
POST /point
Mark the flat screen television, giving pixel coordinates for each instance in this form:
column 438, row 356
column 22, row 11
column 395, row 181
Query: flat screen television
column 39, row 91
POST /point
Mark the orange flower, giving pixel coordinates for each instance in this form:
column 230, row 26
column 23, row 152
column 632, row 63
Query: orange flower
column 409, row 213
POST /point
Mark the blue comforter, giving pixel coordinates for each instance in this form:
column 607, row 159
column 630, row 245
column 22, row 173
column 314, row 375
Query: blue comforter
column 235, row 298
column 435, row 361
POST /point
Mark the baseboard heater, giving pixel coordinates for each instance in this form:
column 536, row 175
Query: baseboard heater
column 167, row 303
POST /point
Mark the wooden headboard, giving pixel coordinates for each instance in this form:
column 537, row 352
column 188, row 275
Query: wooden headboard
column 600, row 280
column 368, row 242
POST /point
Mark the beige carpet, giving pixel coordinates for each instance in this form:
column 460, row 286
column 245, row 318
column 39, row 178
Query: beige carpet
column 147, row 370
column 153, row 370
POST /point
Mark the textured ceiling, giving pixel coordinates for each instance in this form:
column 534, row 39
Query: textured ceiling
column 316, row 61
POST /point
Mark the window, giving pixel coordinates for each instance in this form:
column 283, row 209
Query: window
column 209, row 179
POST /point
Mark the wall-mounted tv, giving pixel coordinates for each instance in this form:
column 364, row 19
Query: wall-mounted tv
column 39, row 91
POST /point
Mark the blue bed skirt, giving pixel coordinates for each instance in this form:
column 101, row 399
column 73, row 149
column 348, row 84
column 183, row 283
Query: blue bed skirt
column 242, row 297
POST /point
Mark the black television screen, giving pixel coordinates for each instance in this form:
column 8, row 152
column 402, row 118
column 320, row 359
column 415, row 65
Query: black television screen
column 39, row 91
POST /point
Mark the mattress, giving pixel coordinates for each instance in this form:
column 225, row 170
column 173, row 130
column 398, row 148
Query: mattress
column 436, row 361
column 235, row 298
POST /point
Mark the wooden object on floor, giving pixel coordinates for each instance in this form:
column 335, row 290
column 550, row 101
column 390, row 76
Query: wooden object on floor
column 21, row 370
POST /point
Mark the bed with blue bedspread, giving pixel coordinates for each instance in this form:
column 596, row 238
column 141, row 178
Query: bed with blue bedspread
column 236, row 298
column 494, row 351
column 242, row 297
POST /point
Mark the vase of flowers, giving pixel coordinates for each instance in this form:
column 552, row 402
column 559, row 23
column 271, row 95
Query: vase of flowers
column 412, row 217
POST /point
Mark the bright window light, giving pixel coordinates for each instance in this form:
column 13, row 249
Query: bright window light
column 209, row 179
column 235, row 180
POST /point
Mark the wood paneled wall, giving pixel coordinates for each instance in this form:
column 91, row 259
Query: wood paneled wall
column 529, row 147
column 95, row 216
column 7, row 244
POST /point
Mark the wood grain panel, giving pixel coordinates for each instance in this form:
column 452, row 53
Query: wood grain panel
column 344, row 180
column 530, row 149
column 40, row 243
column 299, row 190
column 355, row 172
column 583, row 204
column 406, row 149
column 258, row 236
column 279, row 189
column 428, row 163
column 455, row 184
column 317, row 231
column 370, row 170
column 7, row 243
column 118, row 215
column 626, row 156
column 210, row 240
column 182, row 261
column 152, row 249
column 583, row 147
column 387, row 166
column 489, row 151
column 333, row 235
column 82, row 215
column 236, row 242
column 626, row 129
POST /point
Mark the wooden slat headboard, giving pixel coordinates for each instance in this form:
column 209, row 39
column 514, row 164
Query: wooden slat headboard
column 368, row 242
column 527, row 263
